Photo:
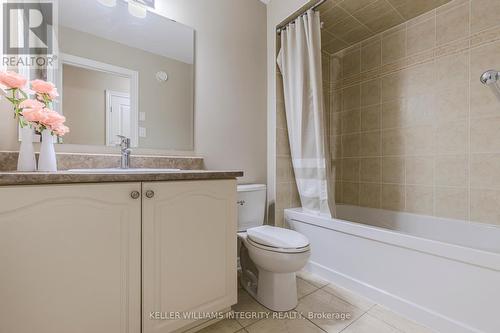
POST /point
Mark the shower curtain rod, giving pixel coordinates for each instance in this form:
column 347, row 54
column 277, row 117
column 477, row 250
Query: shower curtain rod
column 294, row 17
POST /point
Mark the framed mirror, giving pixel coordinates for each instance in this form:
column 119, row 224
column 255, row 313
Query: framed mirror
column 124, row 73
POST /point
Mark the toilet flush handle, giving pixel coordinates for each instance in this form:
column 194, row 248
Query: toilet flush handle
column 241, row 202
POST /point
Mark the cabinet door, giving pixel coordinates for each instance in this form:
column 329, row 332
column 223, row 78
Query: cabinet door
column 70, row 259
column 189, row 250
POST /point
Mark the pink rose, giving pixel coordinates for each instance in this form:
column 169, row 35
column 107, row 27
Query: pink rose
column 31, row 104
column 52, row 95
column 34, row 115
column 12, row 80
column 43, row 87
column 53, row 119
column 61, row 130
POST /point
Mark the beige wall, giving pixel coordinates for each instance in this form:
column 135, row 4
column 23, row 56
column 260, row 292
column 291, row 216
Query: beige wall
column 168, row 106
column 8, row 127
column 230, row 92
column 414, row 128
column 84, row 103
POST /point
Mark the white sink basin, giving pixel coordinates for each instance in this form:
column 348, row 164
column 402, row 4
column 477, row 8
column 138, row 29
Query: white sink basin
column 118, row 170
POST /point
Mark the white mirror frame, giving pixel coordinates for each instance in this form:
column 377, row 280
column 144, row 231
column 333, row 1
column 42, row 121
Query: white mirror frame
column 133, row 76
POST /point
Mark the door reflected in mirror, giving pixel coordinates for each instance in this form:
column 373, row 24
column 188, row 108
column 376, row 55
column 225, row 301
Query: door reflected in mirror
column 97, row 107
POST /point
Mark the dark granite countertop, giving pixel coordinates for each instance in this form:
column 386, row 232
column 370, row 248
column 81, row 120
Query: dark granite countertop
column 65, row 177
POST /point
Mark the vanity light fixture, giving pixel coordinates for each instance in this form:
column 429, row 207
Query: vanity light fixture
column 137, row 8
column 108, row 3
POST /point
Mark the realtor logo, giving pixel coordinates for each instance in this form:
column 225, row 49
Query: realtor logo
column 28, row 28
column 29, row 32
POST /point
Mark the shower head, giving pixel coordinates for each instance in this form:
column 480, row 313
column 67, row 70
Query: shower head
column 490, row 77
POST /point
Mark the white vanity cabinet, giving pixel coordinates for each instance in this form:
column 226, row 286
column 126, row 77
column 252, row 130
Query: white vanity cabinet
column 77, row 258
column 189, row 250
column 70, row 259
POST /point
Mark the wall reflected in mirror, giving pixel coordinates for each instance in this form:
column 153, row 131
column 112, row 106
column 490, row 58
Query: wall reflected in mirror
column 123, row 75
column 85, row 103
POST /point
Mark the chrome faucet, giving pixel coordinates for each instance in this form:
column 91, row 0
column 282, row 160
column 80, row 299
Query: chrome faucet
column 125, row 151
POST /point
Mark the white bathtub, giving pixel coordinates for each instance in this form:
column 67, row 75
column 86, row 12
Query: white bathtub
column 440, row 272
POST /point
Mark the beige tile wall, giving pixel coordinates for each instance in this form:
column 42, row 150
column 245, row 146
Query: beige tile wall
column 347, row 22
column 286, row 188
column 412, row 128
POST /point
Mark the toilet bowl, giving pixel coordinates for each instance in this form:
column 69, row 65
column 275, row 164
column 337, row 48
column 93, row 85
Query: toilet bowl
column 274, row 285
column 269, row 256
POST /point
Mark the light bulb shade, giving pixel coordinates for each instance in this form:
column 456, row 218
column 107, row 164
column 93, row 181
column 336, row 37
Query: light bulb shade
column 108, row 3
column 137, row 9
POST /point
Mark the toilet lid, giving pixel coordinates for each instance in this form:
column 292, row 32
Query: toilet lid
column 277, row 237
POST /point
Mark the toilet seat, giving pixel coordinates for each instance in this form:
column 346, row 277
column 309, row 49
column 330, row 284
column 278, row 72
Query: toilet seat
column 277, row 249
column 277, row 240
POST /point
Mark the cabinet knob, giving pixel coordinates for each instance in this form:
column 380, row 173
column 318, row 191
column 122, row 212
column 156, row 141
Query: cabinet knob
column 150, row 194
column 135, row 195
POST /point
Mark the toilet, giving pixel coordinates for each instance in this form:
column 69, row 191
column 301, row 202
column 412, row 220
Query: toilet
column 269, row 256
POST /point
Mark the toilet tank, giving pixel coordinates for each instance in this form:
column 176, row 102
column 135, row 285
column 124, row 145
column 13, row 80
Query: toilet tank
column 251, row 206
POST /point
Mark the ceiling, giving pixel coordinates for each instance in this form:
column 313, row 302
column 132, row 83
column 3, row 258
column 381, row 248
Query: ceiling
column 347, row 22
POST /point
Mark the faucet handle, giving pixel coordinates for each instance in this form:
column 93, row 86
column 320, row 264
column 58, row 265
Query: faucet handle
column 124, row 142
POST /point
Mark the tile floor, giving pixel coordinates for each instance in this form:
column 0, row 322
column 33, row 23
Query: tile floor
column 316, row 295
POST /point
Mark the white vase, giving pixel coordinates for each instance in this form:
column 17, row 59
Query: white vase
column 47, row 161
column 26, row 161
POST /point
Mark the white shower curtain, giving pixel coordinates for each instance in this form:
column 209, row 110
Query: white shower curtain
column 300, row 63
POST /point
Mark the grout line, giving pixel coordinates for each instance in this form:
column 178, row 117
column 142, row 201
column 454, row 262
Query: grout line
column 469, row 155
column 406, row 40
column 407, row 127
column 360, row 23
column 381, row 140
column 308, row 294
column 360, row 138
column 418, row 63
column 367, row 312
column 309, row 320
column 434, row 159
column 418, row 185
column 471, row 35
column 397, row 11
column 399, row 329
column 354, row 321
column 345, row 301
column 435, row 33
column 471, row 45
column 252, row 323
column 467, row 119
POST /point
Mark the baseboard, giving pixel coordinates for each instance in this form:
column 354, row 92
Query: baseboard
column 395, row 303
